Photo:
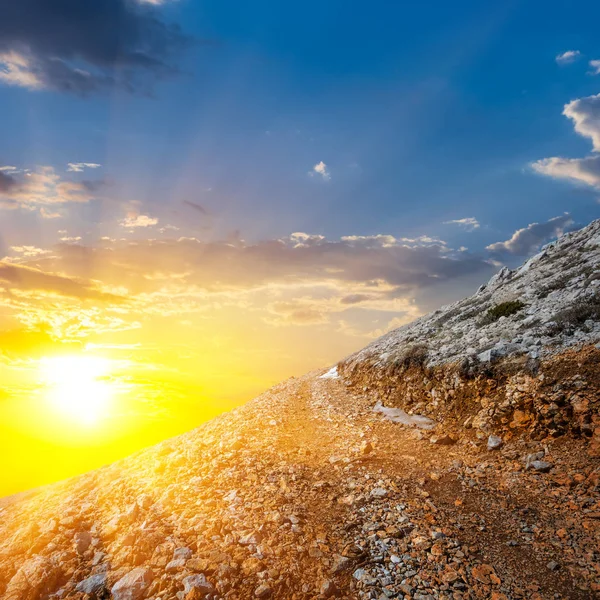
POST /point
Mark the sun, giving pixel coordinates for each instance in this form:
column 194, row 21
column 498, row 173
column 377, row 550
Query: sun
column 77, row 386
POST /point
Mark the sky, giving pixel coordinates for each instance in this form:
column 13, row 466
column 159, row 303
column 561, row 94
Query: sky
column 202, row 198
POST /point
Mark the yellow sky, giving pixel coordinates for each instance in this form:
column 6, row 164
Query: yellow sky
column 183, row 329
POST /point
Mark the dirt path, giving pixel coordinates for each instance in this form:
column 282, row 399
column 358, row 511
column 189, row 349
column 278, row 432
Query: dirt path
column 307, row 493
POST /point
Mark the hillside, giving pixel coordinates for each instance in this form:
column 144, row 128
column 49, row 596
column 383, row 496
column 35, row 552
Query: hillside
column 456, row 457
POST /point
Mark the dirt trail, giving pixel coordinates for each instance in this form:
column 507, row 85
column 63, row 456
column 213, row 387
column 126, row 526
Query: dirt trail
column 307, row 493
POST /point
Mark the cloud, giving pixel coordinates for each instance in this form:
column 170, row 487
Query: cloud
column 132, row 221
column 7, row 182
column 585, row 113
column 23, row 278
column 568, row 57
column 527, row 240
column 79, row 167
column 468, row 223
column 321, row 169
column 583, row 170
column 44, row 188
column 595, row 64
column 196, row 206
column 85, row 47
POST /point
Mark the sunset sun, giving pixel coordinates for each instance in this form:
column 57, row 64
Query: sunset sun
column 77, row 386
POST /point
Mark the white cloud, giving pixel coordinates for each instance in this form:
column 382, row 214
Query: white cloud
column 469, row 223
column 132, row 221
column 321, row 169
column 8, row 169
column 585, row 113
column 595, row 64
column 79, row 167
column 17, row 69
column 527, row 240
column 70, row 239
column 43, row 187
column 583, row 170
column 568, row 57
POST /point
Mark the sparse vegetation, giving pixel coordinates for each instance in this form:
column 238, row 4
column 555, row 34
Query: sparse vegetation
column 413, row 356
column 504, row 309
column 577, row 314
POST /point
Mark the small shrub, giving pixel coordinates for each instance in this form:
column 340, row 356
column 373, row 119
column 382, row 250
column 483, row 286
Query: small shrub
column 504, row 309
column 413, row 356
column 577, row 314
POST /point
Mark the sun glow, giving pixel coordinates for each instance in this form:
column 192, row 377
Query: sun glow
column 78, row 386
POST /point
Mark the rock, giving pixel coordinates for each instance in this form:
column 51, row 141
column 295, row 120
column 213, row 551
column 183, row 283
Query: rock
column 82, row 540
column 198, row 585
column 92, row 586
column 184, row 553
column 341, row 563
column 445, row 440
column 541, row 465
column 553, row 565
column 494, row 442
column 378, row 493
column 263, row 591
column 34, row 579
column 175, row 565
column 366, row 448
column 328, row 589
column 133, row 585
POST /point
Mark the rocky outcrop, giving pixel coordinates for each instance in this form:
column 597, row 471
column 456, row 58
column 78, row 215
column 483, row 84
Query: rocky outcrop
column 549, row 304
column 520, row 357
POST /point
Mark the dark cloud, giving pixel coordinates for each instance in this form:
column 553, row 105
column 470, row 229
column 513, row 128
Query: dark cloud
column 26, row 278
column 527, row 240
column 85, row 46
column 196, row 206
column 216, row 266
column 6, row 182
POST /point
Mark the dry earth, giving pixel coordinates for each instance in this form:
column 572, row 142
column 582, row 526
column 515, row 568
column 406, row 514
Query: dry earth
column 306, row 492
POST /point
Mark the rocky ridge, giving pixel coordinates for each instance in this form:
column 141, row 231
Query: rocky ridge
column 399, row 474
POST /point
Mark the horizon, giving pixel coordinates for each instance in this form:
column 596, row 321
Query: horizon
column 214, row 198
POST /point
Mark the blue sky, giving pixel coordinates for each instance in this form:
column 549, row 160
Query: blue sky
column 423, row 113
column 416, row 147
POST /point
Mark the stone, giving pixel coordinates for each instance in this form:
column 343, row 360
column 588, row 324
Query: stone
column 541, row 465
column 198, row 584
column 328, row 589
column 340, row 563
column 133, row 585
column 444, row 440
column 83, row 541
column 263, row 591
column 175, row 565
column 494, row 442
column 553, row 565
column 34, row 579
column 93, row 586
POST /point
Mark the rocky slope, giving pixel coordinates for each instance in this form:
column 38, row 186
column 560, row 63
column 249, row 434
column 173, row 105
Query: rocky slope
column 454, row 458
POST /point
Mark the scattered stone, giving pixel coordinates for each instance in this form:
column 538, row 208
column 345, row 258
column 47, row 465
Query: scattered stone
column 541, row 465
column 553, row 565
column 494, row 442
column 133, row 585
column 93, row 586
column 263, row 591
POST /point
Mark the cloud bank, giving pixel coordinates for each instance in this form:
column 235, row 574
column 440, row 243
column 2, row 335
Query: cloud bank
column 85, row 47
column 527, row 240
